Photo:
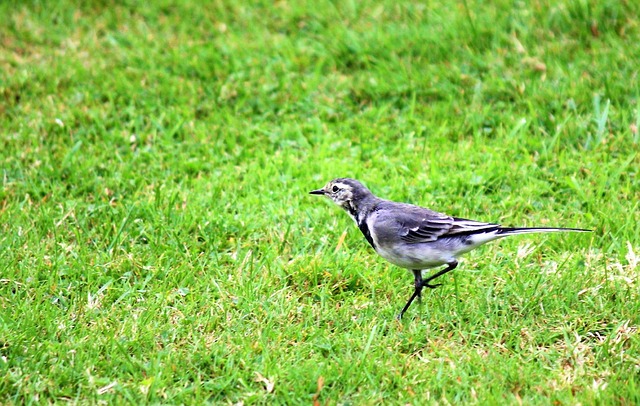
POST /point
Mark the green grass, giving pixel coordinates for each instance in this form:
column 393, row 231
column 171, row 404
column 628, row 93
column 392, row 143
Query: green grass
column 157, row 242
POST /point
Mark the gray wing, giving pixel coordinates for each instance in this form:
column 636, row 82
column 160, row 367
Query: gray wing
column 418, row 225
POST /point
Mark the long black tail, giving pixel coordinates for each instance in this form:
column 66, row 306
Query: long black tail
column 505, row 231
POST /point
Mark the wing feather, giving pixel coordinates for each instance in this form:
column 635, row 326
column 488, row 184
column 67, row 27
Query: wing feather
column 466, row 226
column 415, row 224
column 419, row 226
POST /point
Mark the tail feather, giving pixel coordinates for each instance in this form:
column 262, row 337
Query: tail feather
column 506, row 231
column 480, row 238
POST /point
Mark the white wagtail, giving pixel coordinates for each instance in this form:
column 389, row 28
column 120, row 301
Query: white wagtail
column 413, row 237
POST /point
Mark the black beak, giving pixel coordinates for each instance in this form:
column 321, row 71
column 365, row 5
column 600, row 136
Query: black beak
column 317, row 192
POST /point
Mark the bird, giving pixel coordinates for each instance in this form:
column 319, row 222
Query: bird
column 414, row 237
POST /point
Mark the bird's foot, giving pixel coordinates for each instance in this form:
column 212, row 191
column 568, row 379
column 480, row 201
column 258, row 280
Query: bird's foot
column 430, row 286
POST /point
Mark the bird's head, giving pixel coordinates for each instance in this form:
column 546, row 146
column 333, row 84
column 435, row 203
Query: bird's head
column 346, row 193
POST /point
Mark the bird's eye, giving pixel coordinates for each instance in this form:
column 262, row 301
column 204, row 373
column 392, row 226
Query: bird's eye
column 335, row 189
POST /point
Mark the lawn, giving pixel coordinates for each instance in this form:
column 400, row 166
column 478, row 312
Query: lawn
column 158, row 243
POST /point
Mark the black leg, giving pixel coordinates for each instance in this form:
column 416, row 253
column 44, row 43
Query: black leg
column 417, row 292
column 419, row 284
column 451, row 267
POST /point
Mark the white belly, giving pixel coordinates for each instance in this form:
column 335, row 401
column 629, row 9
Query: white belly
column 414, row 256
